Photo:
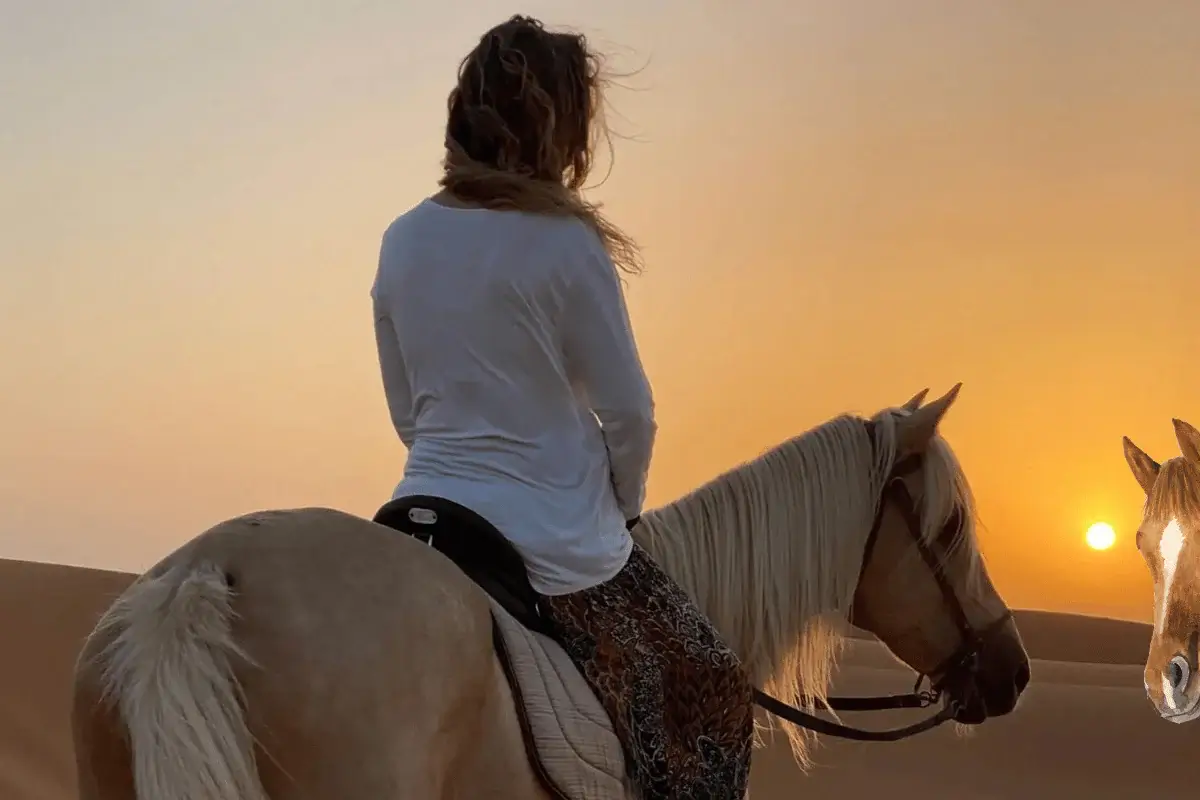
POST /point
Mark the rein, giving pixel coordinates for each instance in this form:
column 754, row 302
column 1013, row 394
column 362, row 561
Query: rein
column 966, row 658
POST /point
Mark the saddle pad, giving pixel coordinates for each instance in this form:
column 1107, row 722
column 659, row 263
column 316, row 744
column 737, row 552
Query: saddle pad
column 575, row 740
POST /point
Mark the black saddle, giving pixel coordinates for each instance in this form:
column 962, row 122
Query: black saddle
column 474, row 545
column 482, row 552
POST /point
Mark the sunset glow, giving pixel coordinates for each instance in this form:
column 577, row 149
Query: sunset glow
column 839, row 204
column 1101, row 536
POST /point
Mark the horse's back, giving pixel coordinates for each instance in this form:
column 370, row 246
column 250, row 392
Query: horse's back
column 321, row 579
column 355, row 637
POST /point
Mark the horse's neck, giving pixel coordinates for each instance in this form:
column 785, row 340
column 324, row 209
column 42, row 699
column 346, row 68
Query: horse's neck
column 755, row 550
column 771, row 552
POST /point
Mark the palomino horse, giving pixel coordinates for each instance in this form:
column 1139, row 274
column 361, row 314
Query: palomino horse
column 312, row 654
column 1169, row 541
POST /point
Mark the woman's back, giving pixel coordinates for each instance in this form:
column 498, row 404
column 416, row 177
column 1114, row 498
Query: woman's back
column 476, row 312
column 513, row 379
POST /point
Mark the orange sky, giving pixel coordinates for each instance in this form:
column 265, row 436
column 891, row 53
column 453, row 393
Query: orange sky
column 840, row 203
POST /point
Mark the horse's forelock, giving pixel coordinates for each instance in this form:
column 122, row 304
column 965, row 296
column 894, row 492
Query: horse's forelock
column 946, row 493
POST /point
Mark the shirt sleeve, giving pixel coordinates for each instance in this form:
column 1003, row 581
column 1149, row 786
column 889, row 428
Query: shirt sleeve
column 602, row 356
column 395, row 376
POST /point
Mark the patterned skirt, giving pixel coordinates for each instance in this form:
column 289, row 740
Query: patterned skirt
column 678, row 697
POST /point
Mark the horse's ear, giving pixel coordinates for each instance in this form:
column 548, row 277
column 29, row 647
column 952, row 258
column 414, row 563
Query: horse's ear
column 1189, row 440
column 914, row 431
column 1144, row 468
column 915, row 403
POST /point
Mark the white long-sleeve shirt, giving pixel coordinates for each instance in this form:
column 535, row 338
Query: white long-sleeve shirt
column 513, row 380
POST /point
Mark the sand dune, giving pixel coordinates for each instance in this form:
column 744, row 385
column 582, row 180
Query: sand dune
column 1084, row 728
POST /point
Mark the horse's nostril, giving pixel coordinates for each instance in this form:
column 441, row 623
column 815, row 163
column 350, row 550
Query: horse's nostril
column 1178, row 673
column 1021, row 680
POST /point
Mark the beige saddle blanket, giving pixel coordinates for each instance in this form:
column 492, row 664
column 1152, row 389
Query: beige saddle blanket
column 574, row 738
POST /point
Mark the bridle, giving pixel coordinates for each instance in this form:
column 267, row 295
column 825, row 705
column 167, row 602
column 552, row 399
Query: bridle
column 963, row 662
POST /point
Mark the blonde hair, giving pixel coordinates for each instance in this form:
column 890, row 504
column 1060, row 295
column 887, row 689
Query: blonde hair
column 522, row 128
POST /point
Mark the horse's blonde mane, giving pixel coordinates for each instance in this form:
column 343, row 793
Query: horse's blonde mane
column 771, row 550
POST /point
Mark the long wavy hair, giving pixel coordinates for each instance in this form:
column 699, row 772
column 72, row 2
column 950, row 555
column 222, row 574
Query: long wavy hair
column 524, row 122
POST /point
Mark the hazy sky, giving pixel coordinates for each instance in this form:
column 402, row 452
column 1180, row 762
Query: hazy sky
column 840, row 203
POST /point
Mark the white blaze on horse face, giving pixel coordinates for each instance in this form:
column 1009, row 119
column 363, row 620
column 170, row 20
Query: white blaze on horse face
column 1170, row 545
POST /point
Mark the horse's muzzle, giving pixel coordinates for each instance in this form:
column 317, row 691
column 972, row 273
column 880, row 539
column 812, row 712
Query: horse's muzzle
column 990, row 683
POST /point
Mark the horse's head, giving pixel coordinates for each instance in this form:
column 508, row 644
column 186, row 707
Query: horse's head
column 924, row 589
column 1168, row 541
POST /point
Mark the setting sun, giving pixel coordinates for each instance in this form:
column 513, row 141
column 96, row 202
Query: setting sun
column 1101, row 536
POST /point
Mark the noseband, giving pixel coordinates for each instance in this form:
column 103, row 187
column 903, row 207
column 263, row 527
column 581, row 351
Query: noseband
column 964, row 662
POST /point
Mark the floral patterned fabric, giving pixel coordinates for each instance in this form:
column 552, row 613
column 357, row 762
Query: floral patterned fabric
column 678, row 697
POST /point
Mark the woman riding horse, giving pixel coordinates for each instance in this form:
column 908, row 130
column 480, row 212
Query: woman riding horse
column 513, row 380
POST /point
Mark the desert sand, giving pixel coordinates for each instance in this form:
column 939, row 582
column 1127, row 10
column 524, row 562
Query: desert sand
column 1083, row 729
